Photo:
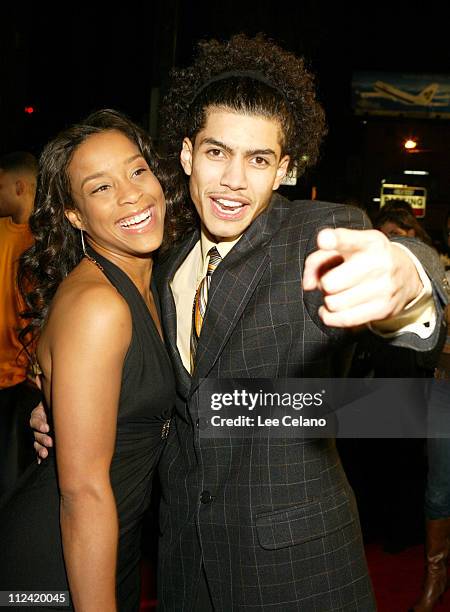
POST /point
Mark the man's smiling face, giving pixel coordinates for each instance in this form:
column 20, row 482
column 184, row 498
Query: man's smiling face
column 234, row 165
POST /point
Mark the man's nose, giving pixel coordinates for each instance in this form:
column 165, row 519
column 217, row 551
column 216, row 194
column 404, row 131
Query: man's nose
column 234, row 176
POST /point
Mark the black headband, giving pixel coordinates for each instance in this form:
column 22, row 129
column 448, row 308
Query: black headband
column 251, row 74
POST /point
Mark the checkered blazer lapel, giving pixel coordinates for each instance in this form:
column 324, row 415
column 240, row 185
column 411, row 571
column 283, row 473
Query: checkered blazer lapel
column 232, row 286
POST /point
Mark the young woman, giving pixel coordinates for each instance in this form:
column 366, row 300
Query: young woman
column 437, row 491
column 74, row 522
column 397, row 219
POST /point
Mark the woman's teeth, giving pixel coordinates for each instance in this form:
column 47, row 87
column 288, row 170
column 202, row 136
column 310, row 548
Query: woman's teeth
column 132, row 221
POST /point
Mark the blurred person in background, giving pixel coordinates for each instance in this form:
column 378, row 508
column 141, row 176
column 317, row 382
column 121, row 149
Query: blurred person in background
column 18, row 175
column 445, row 254
column 390, row 476
column 437, row 492
column 397, row 219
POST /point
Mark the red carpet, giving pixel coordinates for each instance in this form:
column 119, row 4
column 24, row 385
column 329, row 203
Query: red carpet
column 396, row 578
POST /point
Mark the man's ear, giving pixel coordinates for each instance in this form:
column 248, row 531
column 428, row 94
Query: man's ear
column 281, row 171
column 20, row 187
column 186, row 156
column 73, row 217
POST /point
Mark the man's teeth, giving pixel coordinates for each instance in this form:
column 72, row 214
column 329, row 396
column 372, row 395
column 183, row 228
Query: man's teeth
column 136, row 219
column 229, row 203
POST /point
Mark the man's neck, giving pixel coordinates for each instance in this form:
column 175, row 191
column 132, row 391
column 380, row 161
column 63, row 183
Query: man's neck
column 21, row 216
column 224, row 246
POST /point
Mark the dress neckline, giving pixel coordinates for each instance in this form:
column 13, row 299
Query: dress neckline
column 103, row 263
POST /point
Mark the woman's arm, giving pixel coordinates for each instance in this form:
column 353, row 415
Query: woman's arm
column 88, row 340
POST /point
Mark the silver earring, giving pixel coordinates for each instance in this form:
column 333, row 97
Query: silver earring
column 83, row 246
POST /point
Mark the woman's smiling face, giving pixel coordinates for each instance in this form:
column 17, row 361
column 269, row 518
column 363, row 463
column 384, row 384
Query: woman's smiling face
column 119, row 202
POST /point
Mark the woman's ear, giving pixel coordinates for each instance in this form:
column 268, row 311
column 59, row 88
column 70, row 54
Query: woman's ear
column 73, row 217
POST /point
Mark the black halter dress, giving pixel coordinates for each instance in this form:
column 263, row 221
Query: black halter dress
column 31, row 557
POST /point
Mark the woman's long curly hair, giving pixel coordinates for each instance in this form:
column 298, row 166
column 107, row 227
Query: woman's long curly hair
column 288, row 95
column 57, row 246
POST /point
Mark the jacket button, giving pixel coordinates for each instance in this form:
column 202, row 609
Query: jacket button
column 197, row 423
column 206, row 497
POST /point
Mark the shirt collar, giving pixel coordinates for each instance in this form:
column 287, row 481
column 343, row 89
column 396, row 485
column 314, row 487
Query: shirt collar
column 223, row 247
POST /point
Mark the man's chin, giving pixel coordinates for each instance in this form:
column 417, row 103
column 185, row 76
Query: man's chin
column 225, row 231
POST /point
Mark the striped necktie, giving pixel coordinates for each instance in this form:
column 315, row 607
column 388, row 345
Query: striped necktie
column 201, row 300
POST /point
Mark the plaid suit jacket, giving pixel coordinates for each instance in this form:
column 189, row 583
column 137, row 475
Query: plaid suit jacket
column 273, row 521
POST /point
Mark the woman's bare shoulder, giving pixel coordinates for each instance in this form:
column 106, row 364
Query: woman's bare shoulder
column 87, row 302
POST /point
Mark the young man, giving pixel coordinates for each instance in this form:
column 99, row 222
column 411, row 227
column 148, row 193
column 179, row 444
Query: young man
column 264, row 523
column 18, row 173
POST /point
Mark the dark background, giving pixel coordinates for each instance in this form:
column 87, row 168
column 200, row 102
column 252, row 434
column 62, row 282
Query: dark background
column 73, row 58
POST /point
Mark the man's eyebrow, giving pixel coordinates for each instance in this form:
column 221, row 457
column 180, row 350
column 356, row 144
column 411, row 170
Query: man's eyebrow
column 260, row 152
column 101, row 173
column 217, row 143
column 249, row 153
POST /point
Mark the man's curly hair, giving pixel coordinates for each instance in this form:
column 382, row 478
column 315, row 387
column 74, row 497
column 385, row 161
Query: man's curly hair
column 288, row 95
column 291, row 99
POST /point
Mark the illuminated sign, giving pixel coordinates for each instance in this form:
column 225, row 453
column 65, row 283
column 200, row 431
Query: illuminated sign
column 415, row 196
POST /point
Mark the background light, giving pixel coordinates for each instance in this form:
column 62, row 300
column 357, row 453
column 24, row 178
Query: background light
column 410, row 144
